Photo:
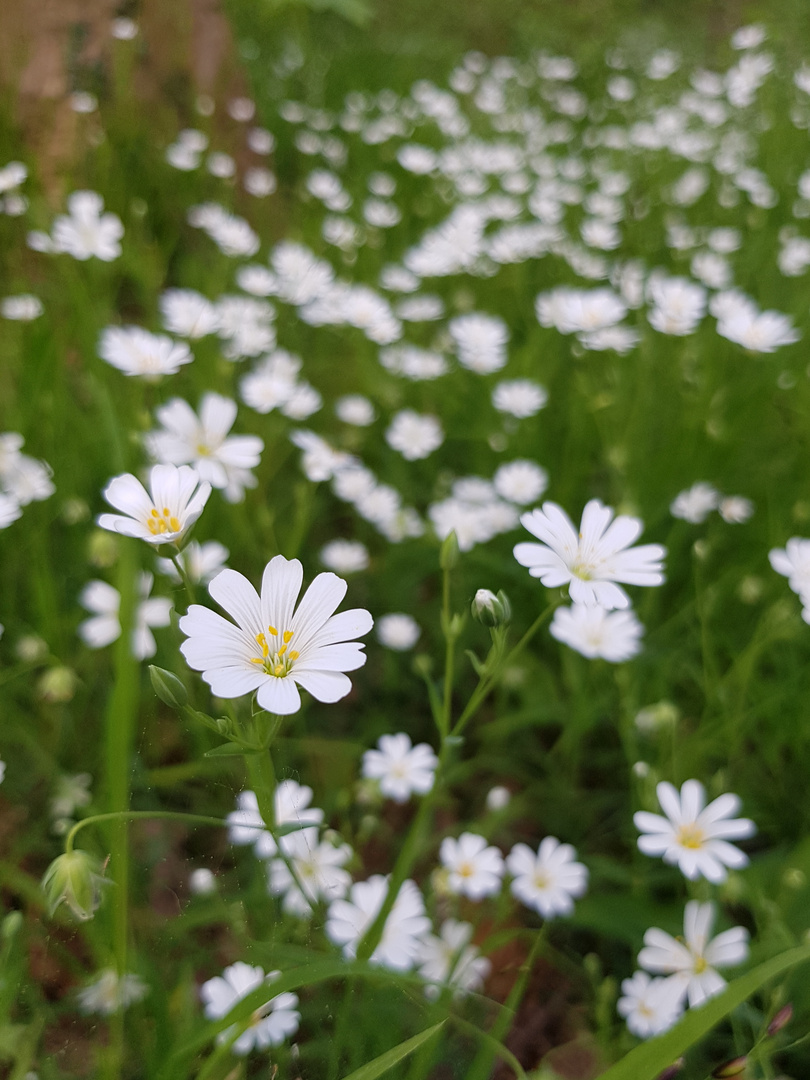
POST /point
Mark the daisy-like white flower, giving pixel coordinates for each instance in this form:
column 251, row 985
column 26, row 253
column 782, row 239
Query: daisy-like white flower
column 592, row 561
column 274, row 648
column 137, row 352
column 104, row 602
column 9, row 510
column 519, row 397
column 201, row 562
column 692, row 835
column 474, row 868
column 401, row 768
column 649, row 1006
column 404, row 929
column 110, row 993
column 269, row 1025
column 319, row 871
column 451, row 959
column 549, row 879
column 793, row 562
column 246, row 826
column 614, row 636
column 398, row 631
column 85, row 232
column 345, row 556
column 690, row 963
column 696, row 503
column 413, row 435
column 163, row 514
column 203, row 441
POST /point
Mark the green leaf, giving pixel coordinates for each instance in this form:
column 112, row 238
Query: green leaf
column 651, row 1058
column 372, row 1069
column 232, row 749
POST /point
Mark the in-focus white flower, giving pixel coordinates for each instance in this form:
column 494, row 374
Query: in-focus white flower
column 274, row 648
column 345, row 556
column 696, row 503
column 104, row 627
column 450, row 959
column 593, row 560
column 269, row 1025
column 401, row 768
column 549, row 879
column 201, row 562
column 163, row 514
column 649, row 1006
column 137, row 352
column 596, row 633
column 223, row 460
column 318, row 869
column 398, row 631
column 291, row 805
column 413, row 435
column 690, row 962
column 693, row 836
column 474, row 869
column 404, row 930
column 110, row 993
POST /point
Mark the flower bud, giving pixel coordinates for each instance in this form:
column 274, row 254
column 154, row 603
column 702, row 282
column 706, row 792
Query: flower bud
column 11, row 925
column 672, row 1071
column 168, row 687
column 76, row 879
column 730, row 1068
column 489, row 609
column 57, row 684
column 448, row 555
column 782, row 1019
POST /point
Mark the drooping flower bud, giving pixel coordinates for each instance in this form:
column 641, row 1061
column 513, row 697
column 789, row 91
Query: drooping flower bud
column 76, row 879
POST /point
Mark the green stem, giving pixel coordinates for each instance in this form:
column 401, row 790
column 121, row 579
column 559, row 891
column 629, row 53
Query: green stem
column 263, row 781
column 482, row 1064
column 488, row 682
column 450, row 639
column 134, row 815
column 187, row 582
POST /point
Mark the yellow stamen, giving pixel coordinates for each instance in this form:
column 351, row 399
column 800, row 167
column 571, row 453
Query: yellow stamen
column 273, row 631
column 293, row 655
column 288, row 636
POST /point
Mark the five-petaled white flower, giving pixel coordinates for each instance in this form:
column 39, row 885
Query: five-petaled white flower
column 690, row 963
column 474, row 868
column 269, row 1025
column 274, row 648
column 401, row 942
column 549, row 879
column 401, row 768
column 693, row 835
column 450, row 959
column 162, row 515
column 649, row 1006
column 593, row 560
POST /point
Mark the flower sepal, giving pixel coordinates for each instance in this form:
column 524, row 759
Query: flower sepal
column 75, row 878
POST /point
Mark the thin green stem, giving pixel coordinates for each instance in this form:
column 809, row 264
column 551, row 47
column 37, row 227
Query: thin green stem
column 449, row 660
column 134, row 815
column 482, row 1064
column 187, row 582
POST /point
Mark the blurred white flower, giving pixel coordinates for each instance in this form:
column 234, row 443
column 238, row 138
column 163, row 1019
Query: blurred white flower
column 405, row 928
column 413, row 435
column 137, row 352
column 291, row 805
column 696, row 503
column 450, row 959
column 596, row 633
column 401, row 768
column 398, row 631
column 104, row 627
column 344, row 556
column 316, row 867
column 269, row 1025
column 548, row 880
column 86, row 232
column 473, row 867
column 519, row 397
column 649, row 1006
column 110, row 993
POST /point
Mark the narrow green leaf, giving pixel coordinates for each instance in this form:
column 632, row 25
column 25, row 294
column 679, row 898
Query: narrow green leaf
column 231, row 749
column 651, row 1058
column 372, row 1069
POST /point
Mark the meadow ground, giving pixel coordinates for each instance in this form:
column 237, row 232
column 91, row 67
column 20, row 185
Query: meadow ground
column 483, row 326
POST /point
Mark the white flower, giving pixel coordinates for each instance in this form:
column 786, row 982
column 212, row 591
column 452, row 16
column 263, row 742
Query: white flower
column 318, row 871
column 759, row 331
column 450, row 959
column 291, row 805
column 793, row 562
column 593, row 560
column 678, row 304
column 21, row 308
column 398, row 631
column 110, row 993
column 414, row 436
column 188, row 313
column 691, row 963
column 480, row 341
column 274, row 648
column 86, row 232
column 202, row 881
column 696, row 503
column 272, row 383
column 12, row 175
column 201, row 562
column 202, row 441
column 401, row 768
column 162, row 515
column 137, row 352
column 735, row 509
column 412, row 362
column 104, row 627
column 344, row 556
column 269, row 1025
column 26, row 480
column 692, row 835
column 2, row 771
column 597, row 633
column 355, row 409
column 474, row 869
column 649, row 1006
column 404, row 929
column 573, row 311
column 520, row 482
column 519, row 397
column 549, row 880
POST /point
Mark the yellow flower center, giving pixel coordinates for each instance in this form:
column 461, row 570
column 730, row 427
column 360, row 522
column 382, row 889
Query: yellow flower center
column 690, row 836
column 541, row 880
column 466, row 870
column 276, row 660
column 160, row 522
column 700, row 965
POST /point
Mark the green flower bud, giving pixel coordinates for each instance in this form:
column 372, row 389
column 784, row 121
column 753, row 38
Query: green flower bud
column 491, row 610
column 57, row 684
column 75, row 878
column 11, row 925
column 672, row 1071
column 730, row 1068
column 168, row 687
column 448, row 555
